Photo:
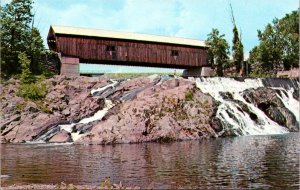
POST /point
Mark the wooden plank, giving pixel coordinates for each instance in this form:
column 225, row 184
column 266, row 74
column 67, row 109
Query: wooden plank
column 151, row 53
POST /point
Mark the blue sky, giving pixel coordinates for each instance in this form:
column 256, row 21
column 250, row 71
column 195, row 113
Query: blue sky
column 181, row 18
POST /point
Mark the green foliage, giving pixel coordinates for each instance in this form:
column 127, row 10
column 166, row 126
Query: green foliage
column 30, row 88
column 21, row 106
column 47, row 73
column 26, row 76
column 237, row 46
column 189, row 96
column 15, row 36
column 205, row 103
column 228, row 64
column 18, row 35
column 37, row 52
column 43, row 108
column 237, row 50
column 33, row 91
column 218, row 50
column 279, row 46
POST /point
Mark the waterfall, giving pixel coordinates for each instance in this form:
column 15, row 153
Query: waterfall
column 240, row 117
column 102, row 92
column 97, row 116
column 237, row 112
column 289, row 101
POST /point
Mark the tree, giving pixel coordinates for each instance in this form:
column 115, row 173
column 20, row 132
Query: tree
column 18, row 35
column 237, row 46
column 26, row 75
column 218, row 50
column 278, row 47
column 30, row 88
column 37, row 51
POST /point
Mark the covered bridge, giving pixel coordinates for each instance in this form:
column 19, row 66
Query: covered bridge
column 83, row 45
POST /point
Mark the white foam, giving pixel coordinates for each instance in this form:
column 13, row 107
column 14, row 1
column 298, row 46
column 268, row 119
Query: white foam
column 289, row 101
column 97, row 116
column 112, row 85
column 242, row 122
column 67, row 127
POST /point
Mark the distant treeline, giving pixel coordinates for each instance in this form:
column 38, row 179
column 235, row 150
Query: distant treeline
column 278, row 49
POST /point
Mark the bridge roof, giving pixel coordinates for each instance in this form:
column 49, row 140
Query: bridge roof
column 125, row 35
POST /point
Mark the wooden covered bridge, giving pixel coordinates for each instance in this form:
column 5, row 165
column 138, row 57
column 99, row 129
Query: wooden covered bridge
column 83, row 45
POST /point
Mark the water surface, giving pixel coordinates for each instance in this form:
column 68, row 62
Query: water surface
column 241, row 162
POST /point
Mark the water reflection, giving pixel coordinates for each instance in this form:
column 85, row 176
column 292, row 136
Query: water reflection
column 242, row 162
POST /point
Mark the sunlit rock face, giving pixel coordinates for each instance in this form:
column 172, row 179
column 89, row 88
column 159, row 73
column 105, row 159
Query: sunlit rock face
column 156, row 108
column 162, row 111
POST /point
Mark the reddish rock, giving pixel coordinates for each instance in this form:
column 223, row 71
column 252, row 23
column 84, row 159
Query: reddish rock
column 159, row 113
column 29, row 128
column 68, row 100
column 152, row 110
column 146, row 109
column 61, row 137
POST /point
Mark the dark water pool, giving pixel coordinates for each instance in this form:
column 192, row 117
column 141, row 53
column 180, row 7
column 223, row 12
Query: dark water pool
column 242, row 162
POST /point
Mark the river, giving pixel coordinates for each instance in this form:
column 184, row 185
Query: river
column 241, row 162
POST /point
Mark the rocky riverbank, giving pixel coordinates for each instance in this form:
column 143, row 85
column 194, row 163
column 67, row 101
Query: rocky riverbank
column 88, row 110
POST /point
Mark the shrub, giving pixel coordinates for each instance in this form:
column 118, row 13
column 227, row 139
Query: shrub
column 21, row 106
column 33, row 91
column 29, row 88
column 26, row 76
column 189, row 96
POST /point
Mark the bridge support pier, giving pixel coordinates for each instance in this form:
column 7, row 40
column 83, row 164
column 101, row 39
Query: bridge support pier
column 69, row 66
column 197, row 72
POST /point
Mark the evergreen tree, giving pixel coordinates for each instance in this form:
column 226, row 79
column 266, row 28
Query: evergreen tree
column 237, row 46
column 18, row 35
column 37, row 51
column 218, row 50
column 26, row 75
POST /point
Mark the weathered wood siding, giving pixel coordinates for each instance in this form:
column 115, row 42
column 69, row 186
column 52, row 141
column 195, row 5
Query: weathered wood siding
column 133, row 52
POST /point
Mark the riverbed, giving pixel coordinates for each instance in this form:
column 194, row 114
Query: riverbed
column 241, row 162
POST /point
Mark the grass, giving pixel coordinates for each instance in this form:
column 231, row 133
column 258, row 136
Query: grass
column 189, row 96
column 33, row 91
column 21, row 106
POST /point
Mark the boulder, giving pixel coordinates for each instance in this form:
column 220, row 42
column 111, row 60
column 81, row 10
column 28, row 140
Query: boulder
column 30, row 128
column 31, row 107
column 66, row 112
column 267, row 101
column 159, row 113
column 61, row 137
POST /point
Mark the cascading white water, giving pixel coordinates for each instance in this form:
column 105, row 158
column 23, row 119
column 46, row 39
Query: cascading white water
column 70, row 127
column 231, row 114
column 231, row 111
column 104, row 88
column 97, row 116
column 289, row 101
